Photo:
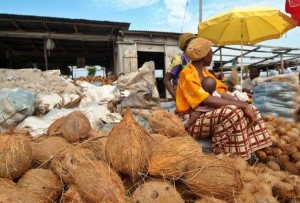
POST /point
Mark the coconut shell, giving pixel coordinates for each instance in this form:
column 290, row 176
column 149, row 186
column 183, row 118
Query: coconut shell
column 44, row 148
column 11, row 195
column 65, row 163
column 261, row 155
column 72, row 196
column 283, row 191
column 97, row 182
column 170, row 158
column 273, row 165
column 268, row 117
column 76, row 127
column 156, row 192
column 15, row 156
column 214, row 177
column 96, row 143
column 55, row 128
column 43, row 183
column 290, row 167
column 167, row 124
column 127, row 147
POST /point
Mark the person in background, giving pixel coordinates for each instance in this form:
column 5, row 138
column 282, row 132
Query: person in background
column 235, row 126
column 254, row 72
column 209, row 84
column 177, row 64
column 274, row 72
column 286, row 69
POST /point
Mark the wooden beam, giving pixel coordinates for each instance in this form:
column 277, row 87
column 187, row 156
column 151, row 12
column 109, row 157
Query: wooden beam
column 75, row 28
column 46, row 26
column 16, row 25
column 51, row 35
column 59, row 54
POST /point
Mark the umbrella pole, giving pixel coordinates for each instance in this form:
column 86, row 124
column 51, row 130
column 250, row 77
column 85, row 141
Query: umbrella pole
column 242, row 54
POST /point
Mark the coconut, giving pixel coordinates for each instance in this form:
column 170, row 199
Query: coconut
column 7, row 183
column 185, row 192
column 157, row 138
column 43, row 183
column 209, row 175
column 76, row 127
column 9, row 195
column 273, row 165
column 71, row 196
column 65, row 162
column 156, row 192
column 97, row 182
column 245, row 197
column 170, row 158
column 44, row 148
column 268, row 117
column 15, row 156
column 127, row 147
column 55, row 128
column 209, row 200
column 167, row 124
column 96, row 143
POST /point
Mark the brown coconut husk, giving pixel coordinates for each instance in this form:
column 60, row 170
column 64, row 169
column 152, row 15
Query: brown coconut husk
column 185, row 192
column 167, row 124
column 96, row 143
column 209, row 200
column 71, row 196
column 15, row 156
column 128, row 147
column 9, row 195
column 55, row 128
column 97, row 182
column 45, row 148
column 245, row 197
column 154, row 137
column 76, row 127
column 43, row 183
column 170, row 158
column 156, row 192
column 283, row 191
column 7, row 183
column 209, row 175
column 64, row 163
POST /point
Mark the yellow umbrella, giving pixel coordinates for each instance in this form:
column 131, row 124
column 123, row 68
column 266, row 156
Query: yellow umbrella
column 245, row 26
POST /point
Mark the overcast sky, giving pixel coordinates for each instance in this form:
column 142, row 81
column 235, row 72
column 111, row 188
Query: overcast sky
column 147, row 15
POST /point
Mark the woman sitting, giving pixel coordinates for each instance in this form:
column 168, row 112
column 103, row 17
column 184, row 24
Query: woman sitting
column 235, row 126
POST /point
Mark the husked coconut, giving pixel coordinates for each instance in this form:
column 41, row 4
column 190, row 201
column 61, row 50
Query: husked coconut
column 10, row 195
column 167, row 124
column 15, row 156
column 156, row 192
column 97, row 182
column 72, row 196
column 209, row 200
column 7, row 183
column 64, row 163
column 170, row 158
column 96, row 143
column 128, row 148
column 76, row 127
column 44, row 148
column 43, row 183
column 209, row 175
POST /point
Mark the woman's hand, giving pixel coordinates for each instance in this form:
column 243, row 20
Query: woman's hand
column 249, row 113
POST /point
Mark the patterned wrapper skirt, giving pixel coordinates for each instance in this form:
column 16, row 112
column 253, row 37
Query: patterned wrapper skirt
column 230, row 130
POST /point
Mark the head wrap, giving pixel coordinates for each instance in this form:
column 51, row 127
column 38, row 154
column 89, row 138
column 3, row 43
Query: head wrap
column 184, row 38
column 198, row 49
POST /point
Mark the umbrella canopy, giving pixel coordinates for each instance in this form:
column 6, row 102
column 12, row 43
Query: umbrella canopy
column 293, row 7
column 245, row 25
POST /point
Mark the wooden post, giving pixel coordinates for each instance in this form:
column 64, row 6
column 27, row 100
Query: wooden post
column 45, row 54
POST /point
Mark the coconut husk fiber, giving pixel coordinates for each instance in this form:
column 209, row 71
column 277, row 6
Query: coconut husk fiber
column 7, row 183
column 72, row 196
column 76, row 127
column 128, row 148
column 55, row 128
column 97, row 182
column 157, row 138
column 43, row 183
column 12, row 195
column 45, row 148
column 167, row 124
column 209, row 200
column 15, row 156
column 64, row 163
column 171, row 158
column 156, row 192
column 212, row 176
column 96, row 143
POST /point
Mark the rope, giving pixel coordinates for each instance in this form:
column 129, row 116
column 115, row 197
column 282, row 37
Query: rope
column 186, row 5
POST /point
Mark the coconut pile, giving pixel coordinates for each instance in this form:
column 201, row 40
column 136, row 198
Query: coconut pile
column 74, row 163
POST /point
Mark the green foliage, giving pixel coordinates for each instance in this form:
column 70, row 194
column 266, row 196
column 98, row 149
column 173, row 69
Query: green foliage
column 91, row 71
